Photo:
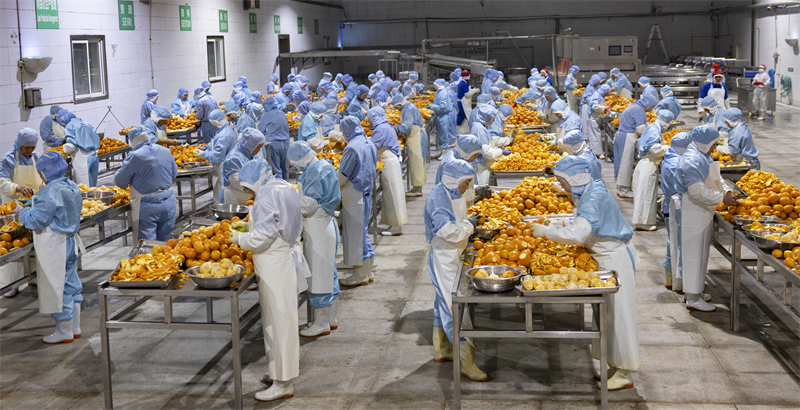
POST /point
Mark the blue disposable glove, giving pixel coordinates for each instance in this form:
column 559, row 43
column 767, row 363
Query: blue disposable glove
column 506, row 151
column 26, row 203
column 203, row 148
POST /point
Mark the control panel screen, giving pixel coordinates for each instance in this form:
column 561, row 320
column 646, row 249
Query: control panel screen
column 628, row 49
column 614, row 50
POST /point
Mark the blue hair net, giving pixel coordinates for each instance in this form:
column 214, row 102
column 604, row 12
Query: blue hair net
column 52, row 165
column 372, row 77
column 602, row 75
column 558, row 106
column 238, row 85
column 152, row 94
column 135, row 132
column 376, row 116
column 666, row 90
column 339, row 76
column 26, row 137
column 274, row 77
column 456, row 171
column 489, row 74
column 286, row 87
column 500, row 74
column 217, row 115
column 291, row 77
column 243, row 79
column 387, row 84
column 64, row 116
column 205, row 84
column 55, row 109
column 251, row 138
column 269, row 104
column 298, row 150
column 454, row 76
column 326, row 84
column 541, row 83
column 318, row 108
column 604, row 89
column 644, row 80
column 231, row 108
column 506, row 110
column 576, row 169
column 419, row 87
column 733, row 114
column 573, row 137
column 680, row 140
column 330, row 104
column 396, row 85
column 347, row 79
column 486, row 113
column 649, row 100
column 574, row 69
column 484, row 98
column 594, row 80
column 304, row 107
column 534, row 70
column 199, row 92
column 615, row 71
column 440, row 82
column 361, row 90
column 256, row 97
column 494, row 91
column 413, row 75
column 397, row 99
column 240, row 98
column 468, row 145
column 327, row 76
column 182, row 91
column 709, row 102
column 350, row 126
column 666, row 116
column 705, row 134
column 550, row 92
column 380, row 74
column 303, row 79
column 162, row 113
column 252, row 172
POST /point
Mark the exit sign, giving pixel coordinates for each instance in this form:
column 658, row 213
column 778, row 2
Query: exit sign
column 791, row 70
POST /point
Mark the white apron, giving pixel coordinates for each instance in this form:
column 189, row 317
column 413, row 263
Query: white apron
column 352, row 217
column 483, row 172
column 624, row 92
column 136, row 206
column 466, row 103
column 161, row 134
column 234, row 196
column 697, row 222
column 216, row 183
column 674, row 244
column 572, row 101
column 301, row 268
column 621, row 321
column 277, row 291
column 24, row 176
column 626, row 162
column 447, row 256
column 80, row 166
column 719, row 95
column 319, row 248
column 318, row 142
column 46, row 147
column 645, row 191
column 416, row 160
column 393, row 211
column 58, row 130
column 592, row 128
column 50, row 269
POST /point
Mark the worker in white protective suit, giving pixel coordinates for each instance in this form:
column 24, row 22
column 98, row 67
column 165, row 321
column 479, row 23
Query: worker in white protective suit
column 447, row 229
column 597, row 108
column 715, row 89
column 246, row 148
column 600, row 226
column 632, row 124
column 645, row 176
column 761, row 84
column 82, row 143
column 393, row 211
column 570, row 85
column 489, row 153
column 701, row 190
column 275, row 225
column 319, row 192
column 740, row 146
column 411, row 126
column 19, row 179
column 672, row 216
column 357, row 178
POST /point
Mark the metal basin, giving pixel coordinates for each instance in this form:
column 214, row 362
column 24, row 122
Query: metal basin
column 228, row 211
column 488, row 234
column 105, row 197
column 190, row 165
column 495, row 285
column 15, row 233
column 771, row 244
column 222, row 282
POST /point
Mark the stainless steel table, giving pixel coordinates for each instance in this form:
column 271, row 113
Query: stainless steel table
column 26, row 253
column 191, row 176
column 123, row 213
column 110, row 158
column 465, row 297
column 238, row 324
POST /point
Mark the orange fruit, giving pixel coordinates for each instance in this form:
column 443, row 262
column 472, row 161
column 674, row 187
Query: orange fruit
column 215, row 255
column 206, row 255
column 172, row 243
column 236, row 259
column 777, row 253
column 17, row 243
column 190, row 253
column 5, row 237
column 789, row 263
column 26, row 241
column 477, row 244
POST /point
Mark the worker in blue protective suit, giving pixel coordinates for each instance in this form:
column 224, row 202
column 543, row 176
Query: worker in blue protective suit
column 672, row 215
column 238, row 87
column 52, row 132
column 418, row 87
column 274, row 85
column 290, row 79
column 570, row 85
column 375, row 87
column 442, row 107
column 588, row 92
column 148, row 105
column 600, row 226
column 275, row 127
column 447, row 229
column 247, row 147
column 384, row 97
column 622, row 86
column 497, row 96
column 149, row 170
column 483, row 99
column 411, row 126
column 573, row 144
column 274, row 228
column 223, row 143
column 532, row 96
column 396, row 88
column 318, row 187
column 596, row 108
column 337, row 83
column 359, row 105
column 468, row 147
column 483, row 168
column 647, row 88
column 701, row 190
column 550, row 95
column 489, row 78
column 255, row 97
column 350, row 89
column 255, row 110
column 330, row 122
column 205, row 105
column 298, row 97
column 156, row 127
column 740, row 146
column 19, row 179
column 245, row 88
column 326, row 92
column 568, row 120
column 452, row 92
column 356, row 179
column 206, row 85
column 310, row 129
column 384, row 137
column 283, row 99
column 714, row 115
column 182, row 106
column 632, row 123
column 301, row 83
column 668, row 101
column 496, row 129
column 82, row 142
column 243, row 121
column 603, row 78
column 715, row 89
column 409, row 91
column 645, row 176
column 55, row 218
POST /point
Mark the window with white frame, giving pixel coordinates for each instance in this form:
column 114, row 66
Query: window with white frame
column 215, row 46
column 89, row 75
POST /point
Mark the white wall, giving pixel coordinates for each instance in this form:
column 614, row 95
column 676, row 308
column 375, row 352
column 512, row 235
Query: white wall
column 765, row 44
column 179, row 57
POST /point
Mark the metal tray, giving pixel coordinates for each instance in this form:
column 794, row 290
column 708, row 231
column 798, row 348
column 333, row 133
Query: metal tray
column 771, row 244
column 144, row 246
column 100, row 216
column 738, row 168
column 533, row 218
column 603, row 274
column 192, row 224
column 15, row 233
column 196, row 164
column 519, row 174
column 750, row 232
column 494, row 285
column 194, row 171
column 114, row 153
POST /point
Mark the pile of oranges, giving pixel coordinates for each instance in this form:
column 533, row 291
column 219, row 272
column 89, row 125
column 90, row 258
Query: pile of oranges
column 185, row 153
column 110, row 144
column 293, row 125
column 618, row 102
column 523, row 117
column 578, row 91
column 60, row 149
column 667, row 136
column 528, row 154
column 178, row 123
column 211, row 243
column 769, row 196
column 126, row 130
column 8, row 244
column 6, row 208
column 533, row 196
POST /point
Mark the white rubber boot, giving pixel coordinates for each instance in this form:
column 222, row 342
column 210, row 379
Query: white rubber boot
column 278, row 390
column 267, row 379
column 76, row 321
column 321, row 326
column 619, row 381
column 371, row 271
column 334, row 324
column 415, row 192
column 392, row 231
column 360, row 277
column 624, row 193
column 63, row 333
column 695, row 302
column 11, row 293
column 468, row 367
column 442, row 349
column 706, row 297
column 668, row 281
column 609, row 374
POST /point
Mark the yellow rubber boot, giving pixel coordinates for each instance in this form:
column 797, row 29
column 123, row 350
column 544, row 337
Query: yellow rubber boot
column 668, row 281
column 442, row 349
column 619, row 381
column 468, row 367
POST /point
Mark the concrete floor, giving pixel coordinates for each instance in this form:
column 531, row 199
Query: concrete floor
column 381, row 356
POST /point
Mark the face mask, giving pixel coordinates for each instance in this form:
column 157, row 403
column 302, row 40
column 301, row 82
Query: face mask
column 469, row 196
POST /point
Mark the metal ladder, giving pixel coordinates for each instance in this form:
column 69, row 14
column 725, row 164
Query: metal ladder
column 660, row 38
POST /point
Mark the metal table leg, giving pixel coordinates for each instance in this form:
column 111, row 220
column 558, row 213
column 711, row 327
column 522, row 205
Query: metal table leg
column 106, row 351
column 603, row 354
column 209, row 310
column 178, row 184
column 456, row 355
column 237, row 354
column 736, row 277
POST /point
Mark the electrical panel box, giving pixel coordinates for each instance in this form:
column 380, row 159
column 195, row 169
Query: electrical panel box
column 33, row 97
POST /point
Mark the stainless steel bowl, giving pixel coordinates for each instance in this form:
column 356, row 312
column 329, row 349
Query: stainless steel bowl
column 740, row 221
column 488, row 234
column 189, row 165
column 15, row 233
column 771, row 244
column 751, row 232
column 495, row 285
column 228, row 211
column 222, row 282
column 105, row 197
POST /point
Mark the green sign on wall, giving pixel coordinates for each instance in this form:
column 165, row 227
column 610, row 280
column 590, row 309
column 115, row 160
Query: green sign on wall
column 299, row 25
column 791, row 70
column 277, row 22
column 223, row 21
column 47, row 14
column 126, row 15
column 316, row 26
column 185, row 17
column 253, row 23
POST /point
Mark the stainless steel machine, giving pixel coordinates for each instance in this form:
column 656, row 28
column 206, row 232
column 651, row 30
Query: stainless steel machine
column 596, row 54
